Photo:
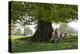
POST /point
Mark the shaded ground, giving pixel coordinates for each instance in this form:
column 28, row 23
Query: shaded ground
column 21, row 44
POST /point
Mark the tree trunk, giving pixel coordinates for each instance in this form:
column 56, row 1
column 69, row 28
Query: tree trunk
column 43, row 32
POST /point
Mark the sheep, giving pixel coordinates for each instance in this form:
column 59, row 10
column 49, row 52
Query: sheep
column 54, row 37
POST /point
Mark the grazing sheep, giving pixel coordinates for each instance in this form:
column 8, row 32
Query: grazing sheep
column 54, row 37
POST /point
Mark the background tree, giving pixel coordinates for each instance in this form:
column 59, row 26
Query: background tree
column 13, row 27
column 27, row 31
column 18, row 31
column 44, row 14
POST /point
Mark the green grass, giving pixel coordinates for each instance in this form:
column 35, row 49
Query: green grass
column 21, row 44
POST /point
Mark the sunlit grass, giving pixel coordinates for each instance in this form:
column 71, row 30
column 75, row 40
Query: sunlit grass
column 21, row 44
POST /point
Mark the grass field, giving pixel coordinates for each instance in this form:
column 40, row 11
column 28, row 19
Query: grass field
column 21, row 44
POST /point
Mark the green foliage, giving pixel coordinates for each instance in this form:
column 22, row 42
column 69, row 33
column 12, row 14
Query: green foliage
column 42, row 11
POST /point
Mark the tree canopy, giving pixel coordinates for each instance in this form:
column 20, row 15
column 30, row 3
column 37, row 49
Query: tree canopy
column 30, row 12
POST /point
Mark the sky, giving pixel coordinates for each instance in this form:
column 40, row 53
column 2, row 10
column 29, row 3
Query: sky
column 73, row 25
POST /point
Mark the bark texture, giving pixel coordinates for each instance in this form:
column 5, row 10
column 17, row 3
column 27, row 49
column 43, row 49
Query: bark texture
column 43, row 32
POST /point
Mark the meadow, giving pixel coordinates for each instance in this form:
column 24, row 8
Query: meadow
column 21, row 44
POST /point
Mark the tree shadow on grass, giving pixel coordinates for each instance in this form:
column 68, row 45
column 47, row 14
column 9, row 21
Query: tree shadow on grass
column 24, row 41
column 25, row 44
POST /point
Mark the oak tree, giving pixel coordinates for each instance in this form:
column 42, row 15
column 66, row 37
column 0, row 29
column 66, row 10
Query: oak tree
column 44, row 14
